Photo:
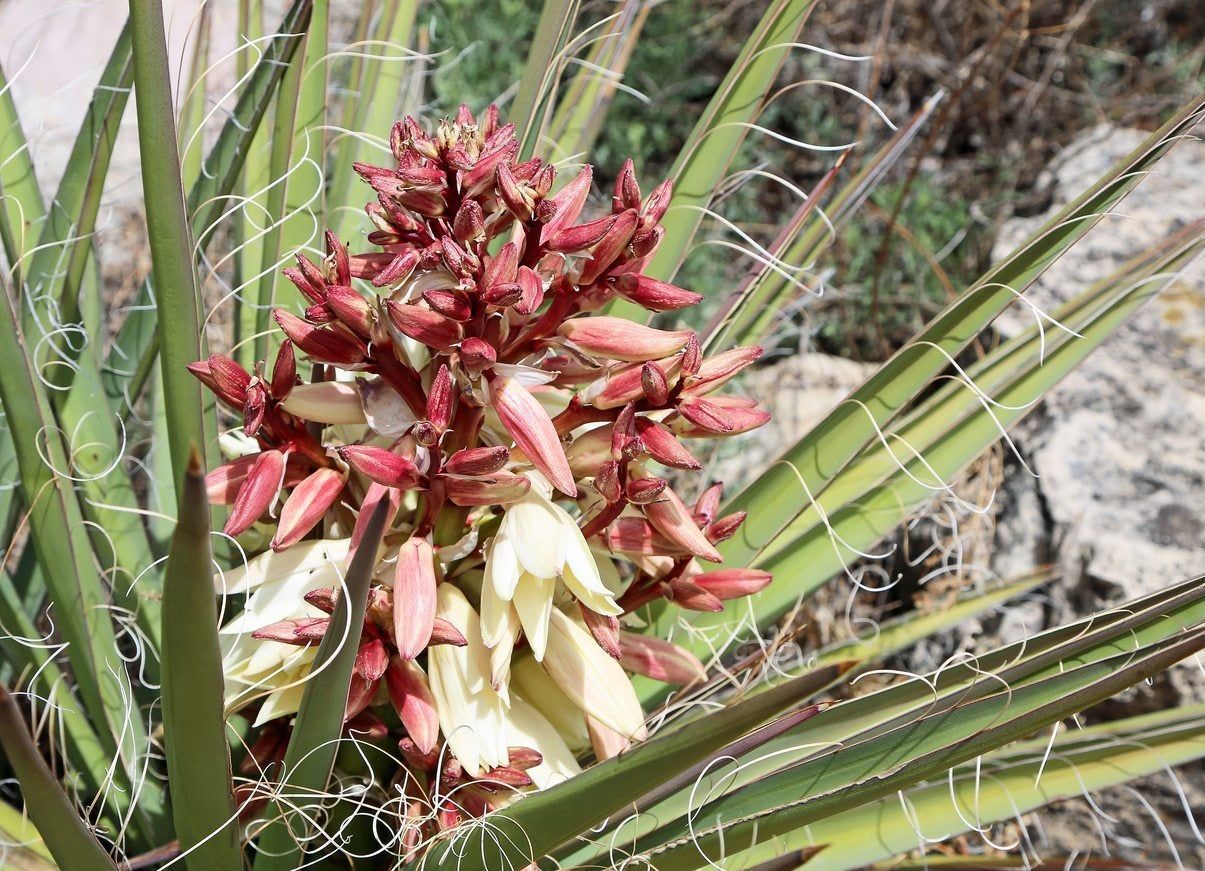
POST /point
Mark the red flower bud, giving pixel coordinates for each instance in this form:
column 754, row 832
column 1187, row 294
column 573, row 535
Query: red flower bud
column 449, row 303
column 654, row 384
column 621, row 339
column 627, row 191
column 674, row 521
column 423, row 325
column 258, row 492
column 477, row 461
column 414, row 703
column 726, row 527
column 414, row 597
column 469, row 223
column 496, row 489
column 659, row 659
column 306, row 506
column 439, row 400
column 477, row 355
column 606, row 481
column 322, row 344
column 654, row 295
column 663, row 446
column 733, row 583
column 610, row 248
column 641, row 491
column 531, row 428
column 693, row 597
column 284, row 370
column 398, row 270
column 382, row 466
column 351, row 308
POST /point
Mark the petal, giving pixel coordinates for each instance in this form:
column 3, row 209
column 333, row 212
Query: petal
column 533, row 602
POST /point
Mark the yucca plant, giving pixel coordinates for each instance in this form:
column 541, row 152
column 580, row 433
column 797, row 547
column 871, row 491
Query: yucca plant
column 473, row 604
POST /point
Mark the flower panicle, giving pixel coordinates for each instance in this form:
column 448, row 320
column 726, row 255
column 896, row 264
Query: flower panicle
column 530, row 447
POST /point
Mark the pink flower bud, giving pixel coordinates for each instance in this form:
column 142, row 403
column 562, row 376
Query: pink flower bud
column 517, row 196
column 627, row 191
column 581, row 237
column 443, row 632
column 258, row 492
column 726, row 527
column 501, row 268
column 606, row 481
column 653, row 384
column 533, row 431
column 449, row 303
column 621, row 339
column 372, row 497
column 706, row 415
column 382, row 466
column 469, row 223
column 414, row 597
column 709, row 504
column 605, row 630
column 718, row 370
column 324, row 345
column 477, row 461
column 503, row 295
column 414, row 703
column 659, row 659
column 398, row 270
column 423, row 325
column 743, row 414
column 637, row 537
column 532, row 291
column 496, row 489
column 693, row 597
column 673, row 520
column 641, row 491
column 663, row 446
column 372, row 659
column 589, row 450
column 610, row 248
column 306, row 506
column 302, row 631
column 350, row 307
column 439, row 400
column 477, row 355
column 733, row 583
column 284, row 370
column 323, row 599
column 569, row 202
column 625, row 383
column 654, row 295
column 223, row 483
column 692, row 356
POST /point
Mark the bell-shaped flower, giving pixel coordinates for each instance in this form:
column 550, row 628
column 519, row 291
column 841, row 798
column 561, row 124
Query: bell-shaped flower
column 591, row 678
column 537, row 544
column 472, row 715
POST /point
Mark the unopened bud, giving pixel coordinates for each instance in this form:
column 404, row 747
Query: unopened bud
column 641, row 491
column 654, row 384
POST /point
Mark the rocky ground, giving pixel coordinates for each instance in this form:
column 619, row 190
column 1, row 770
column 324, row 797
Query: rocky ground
column 1115, row 492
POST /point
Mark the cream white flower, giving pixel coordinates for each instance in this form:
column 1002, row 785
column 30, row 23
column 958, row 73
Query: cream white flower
column 276, row 584
column 527, row 727
column 472, row 715
column 537, row 544
column 591, row 679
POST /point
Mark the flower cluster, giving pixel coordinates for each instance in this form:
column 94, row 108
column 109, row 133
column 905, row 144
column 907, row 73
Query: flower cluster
column 525, row 447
